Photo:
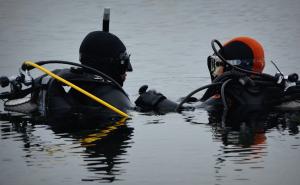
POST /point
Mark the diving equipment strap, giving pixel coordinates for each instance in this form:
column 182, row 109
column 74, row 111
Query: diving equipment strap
column 118, row 111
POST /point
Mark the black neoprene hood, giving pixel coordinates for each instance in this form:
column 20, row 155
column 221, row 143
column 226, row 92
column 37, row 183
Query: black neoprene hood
column 98, row 45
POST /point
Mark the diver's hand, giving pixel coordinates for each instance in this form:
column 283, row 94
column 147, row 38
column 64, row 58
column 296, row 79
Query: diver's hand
column 148, row 100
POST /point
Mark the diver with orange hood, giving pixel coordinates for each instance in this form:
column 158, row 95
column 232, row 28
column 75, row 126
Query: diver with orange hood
column 236, row 71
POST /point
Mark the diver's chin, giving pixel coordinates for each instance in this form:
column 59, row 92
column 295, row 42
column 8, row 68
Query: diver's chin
column 123, row 76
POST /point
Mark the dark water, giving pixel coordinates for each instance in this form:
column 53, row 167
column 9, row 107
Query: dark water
column 169, row 42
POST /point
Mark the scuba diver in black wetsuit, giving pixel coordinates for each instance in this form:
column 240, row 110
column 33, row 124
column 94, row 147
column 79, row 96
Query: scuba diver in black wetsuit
column 100, row 77
column 102, row 72
column 106, row 53
column 237, row 81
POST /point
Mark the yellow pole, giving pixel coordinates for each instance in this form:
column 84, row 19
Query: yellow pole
column 77, row 88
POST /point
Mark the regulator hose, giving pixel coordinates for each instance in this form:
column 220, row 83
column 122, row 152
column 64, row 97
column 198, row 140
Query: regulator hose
column 194, row 92
column 223, row 94
column 95, row 71
column 60, row 79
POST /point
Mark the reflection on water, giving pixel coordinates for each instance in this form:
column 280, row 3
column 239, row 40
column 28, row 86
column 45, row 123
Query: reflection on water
column 103, row 151
column 244, row 138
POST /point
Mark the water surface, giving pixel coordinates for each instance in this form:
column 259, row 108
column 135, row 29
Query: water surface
column 169, row 42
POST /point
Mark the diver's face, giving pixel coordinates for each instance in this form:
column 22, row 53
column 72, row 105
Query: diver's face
column 218, row 71
column 215, row 65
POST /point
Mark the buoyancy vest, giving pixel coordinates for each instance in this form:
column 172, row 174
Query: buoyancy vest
column 59, row 102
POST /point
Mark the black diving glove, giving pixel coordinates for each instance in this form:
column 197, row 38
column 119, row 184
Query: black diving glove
column 148, row 100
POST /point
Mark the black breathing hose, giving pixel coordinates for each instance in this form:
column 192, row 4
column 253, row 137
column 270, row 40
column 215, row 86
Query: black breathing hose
column 223, row 94
column 95, row 71
column 225, row 109
column 194, row 92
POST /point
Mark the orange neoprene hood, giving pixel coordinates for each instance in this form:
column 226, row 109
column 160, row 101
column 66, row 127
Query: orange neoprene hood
column 256, row 49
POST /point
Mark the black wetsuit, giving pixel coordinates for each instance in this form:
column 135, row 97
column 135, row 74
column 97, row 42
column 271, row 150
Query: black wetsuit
column 60, row 103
